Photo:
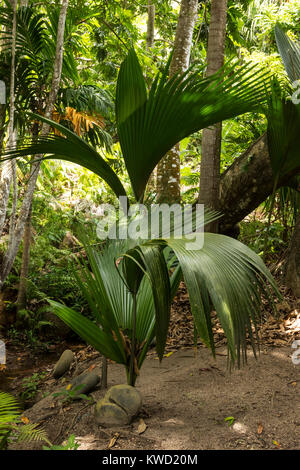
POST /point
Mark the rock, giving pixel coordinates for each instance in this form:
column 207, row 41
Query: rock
column 119, row 405
column 125, row 396
column 88, row 382
column 58, row 328
column 110, row 414
column 63, row 364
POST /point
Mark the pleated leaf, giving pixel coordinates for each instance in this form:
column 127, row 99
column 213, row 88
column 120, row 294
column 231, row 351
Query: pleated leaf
column 283, row 136
column 290, row 54
column 176, row 108
column 228, row 277
column 72, row 149
column 157, row 271
column 88, row 331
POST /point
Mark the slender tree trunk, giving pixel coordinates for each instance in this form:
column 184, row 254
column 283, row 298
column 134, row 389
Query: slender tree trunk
column 22, row 291
column 17, row 235
column 150, row 24
column 8, row 167
column 168, row 169
column 211, row 137
column 2, row 123
column 292, row 265
column 150, row 43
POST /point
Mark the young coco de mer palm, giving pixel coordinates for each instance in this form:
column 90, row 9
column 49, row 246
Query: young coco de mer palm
column 132, row 306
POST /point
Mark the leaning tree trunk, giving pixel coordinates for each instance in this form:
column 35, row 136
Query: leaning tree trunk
column 168, row 169
column 247, row 183
column 292, row 265
column 211, row 137
column 18, row 232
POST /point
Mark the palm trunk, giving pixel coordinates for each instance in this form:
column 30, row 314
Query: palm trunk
column 17, row 235
column 168, row 169
column 211, row 137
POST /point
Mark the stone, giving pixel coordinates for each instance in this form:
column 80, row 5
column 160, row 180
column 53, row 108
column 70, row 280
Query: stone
column 110, row 414
column 126, row 397
column 119, row 405
column 56, row 327
column 63, row 364
column 88, row 382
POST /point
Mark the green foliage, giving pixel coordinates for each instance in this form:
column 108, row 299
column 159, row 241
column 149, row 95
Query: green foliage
column 223, row 274
column 69, row 444
column 11, row 427
column 30, row 386
column 69, row 394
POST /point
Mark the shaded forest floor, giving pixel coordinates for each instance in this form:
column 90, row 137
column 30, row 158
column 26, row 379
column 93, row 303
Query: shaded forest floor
column 186, row 399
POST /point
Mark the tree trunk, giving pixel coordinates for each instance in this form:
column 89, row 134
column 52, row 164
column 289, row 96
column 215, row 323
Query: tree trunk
column 17, row 235
column 22, row 291
column 211, row 137
column 150, row 43
column 168, row 169
column 8, row 167
column 247, row 183
column 292, row 265
column 150, row 24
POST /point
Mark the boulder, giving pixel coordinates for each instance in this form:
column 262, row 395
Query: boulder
column 110, row 414
column 119, row 405
column 63, row 364
column 88, row 382
column 56, row 328
column 126, row 397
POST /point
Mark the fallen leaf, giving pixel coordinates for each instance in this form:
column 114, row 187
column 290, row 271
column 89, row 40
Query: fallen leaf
column 293, row 384
column 68, row 387
column 276, row 443
column 113, row 440
column 260, row 428
column 142, row 426
column 92, row 367
column 168, row 354
column 24, row 420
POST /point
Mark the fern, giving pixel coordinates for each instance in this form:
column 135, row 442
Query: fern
column 29, row 432
column 10, row 419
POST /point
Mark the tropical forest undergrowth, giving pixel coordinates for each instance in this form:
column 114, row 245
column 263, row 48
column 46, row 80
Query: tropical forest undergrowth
column 195, row 401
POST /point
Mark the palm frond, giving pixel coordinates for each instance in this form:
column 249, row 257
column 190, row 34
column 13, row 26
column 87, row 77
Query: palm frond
column 290, row 54
column 73, row 149
column 226, row 276
column 149, row 125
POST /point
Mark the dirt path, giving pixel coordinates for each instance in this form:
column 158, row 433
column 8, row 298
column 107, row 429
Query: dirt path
column 186, row 400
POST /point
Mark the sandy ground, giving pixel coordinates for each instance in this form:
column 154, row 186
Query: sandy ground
column 186, row 400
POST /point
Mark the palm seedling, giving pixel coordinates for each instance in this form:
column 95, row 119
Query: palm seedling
column 132, row 305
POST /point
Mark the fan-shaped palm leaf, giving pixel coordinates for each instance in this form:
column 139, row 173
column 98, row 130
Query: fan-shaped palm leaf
column 149, row 125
